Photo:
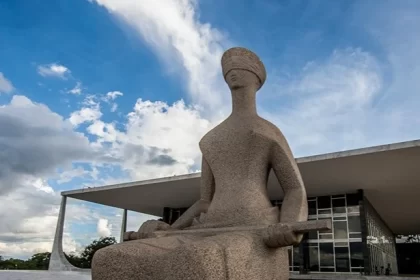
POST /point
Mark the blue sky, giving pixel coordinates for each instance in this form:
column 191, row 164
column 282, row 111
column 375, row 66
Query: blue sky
column 104, row 91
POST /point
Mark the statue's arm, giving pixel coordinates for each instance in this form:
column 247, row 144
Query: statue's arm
column 206, row 195
column 295, row 206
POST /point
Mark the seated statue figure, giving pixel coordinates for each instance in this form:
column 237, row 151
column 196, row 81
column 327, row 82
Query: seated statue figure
column 238, row 156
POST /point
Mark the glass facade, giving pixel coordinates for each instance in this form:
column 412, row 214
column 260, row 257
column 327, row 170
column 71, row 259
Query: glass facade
column 380, row 242
column 337, row 250
column 359, row 242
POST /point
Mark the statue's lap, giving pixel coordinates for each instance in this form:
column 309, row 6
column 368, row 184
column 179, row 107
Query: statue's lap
column 175, row 257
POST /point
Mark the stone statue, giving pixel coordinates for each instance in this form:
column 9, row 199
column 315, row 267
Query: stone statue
column 238, row 156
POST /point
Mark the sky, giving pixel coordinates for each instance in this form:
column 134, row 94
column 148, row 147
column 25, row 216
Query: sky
column 96, row 92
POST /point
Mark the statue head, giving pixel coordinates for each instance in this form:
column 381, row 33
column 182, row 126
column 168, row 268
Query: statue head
column 241, row 68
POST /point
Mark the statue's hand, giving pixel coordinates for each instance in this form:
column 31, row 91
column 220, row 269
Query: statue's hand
column 149, row 227
column 280, row 235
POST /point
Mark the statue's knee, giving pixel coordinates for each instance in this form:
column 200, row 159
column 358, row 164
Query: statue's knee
column 205, row 251
column 100, row 257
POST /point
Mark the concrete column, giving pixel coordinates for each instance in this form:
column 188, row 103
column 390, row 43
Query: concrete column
column 58, row 261
column 123, row 225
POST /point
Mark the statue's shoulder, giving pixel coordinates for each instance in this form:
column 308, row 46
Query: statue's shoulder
column 208, row 138
column 271, row 132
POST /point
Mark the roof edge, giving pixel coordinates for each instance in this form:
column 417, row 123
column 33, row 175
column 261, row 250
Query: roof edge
column 320, row 157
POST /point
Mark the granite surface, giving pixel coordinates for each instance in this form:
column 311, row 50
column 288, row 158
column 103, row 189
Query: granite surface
column 238, row 155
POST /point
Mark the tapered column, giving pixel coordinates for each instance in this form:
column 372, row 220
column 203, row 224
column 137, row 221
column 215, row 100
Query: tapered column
column 58, row 261
column 123, row 225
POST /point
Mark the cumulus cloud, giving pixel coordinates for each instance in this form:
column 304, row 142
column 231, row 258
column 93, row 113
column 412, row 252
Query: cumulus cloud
column 35, row 141
column 158, row 139
column 53, row 70
column 103, row 228
column 5, row 85
column 29, row 218
column 86, row 114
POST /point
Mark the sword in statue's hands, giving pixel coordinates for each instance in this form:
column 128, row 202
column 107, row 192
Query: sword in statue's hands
column 272, row 234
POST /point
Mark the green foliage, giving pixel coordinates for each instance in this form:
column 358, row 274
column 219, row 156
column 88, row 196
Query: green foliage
column 41, row 261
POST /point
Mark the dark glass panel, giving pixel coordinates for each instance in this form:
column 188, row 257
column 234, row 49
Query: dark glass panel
column 324, row 202
column 340, row 230
column 339, row 206
column 313, row 234
column 312, row 207
column 342, row 262
column 313, row 258
column 327, row 269
column 290, row 256
column 296, row 256
column 326, row 251
column 339, row 218
column 324, row 211
column 355, row 235
column 326, row 236
column 354, row 224
column 356, row 254
column 353, row 199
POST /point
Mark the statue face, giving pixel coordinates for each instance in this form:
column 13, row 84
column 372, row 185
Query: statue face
column 238, row 78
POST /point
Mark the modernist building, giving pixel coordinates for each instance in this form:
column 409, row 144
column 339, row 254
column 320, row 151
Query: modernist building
column 371, row 195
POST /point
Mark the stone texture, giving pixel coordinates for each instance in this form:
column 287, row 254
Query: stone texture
column 238, row 155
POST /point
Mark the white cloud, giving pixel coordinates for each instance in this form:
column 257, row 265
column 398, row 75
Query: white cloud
column 5, row 85
column 112, row 95
column 333, row 106
column 68, row 175
column 103, row 228
column 331, row 101
column 53, row 70
column 114, row 107
column 31, row 227
column 35, row 143
column 77, row 89
column 86, row 114
column 159, row 139
column 174, row 32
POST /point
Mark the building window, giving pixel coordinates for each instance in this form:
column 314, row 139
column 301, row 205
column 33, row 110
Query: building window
column 342, row 260
column 354, row 224
column 324, row 202
column 326, row 254
column 356, row 256
column 312, row 207
column 339, row 205
column 340, row 230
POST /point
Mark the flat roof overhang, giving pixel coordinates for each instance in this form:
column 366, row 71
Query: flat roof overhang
column 388, row 174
